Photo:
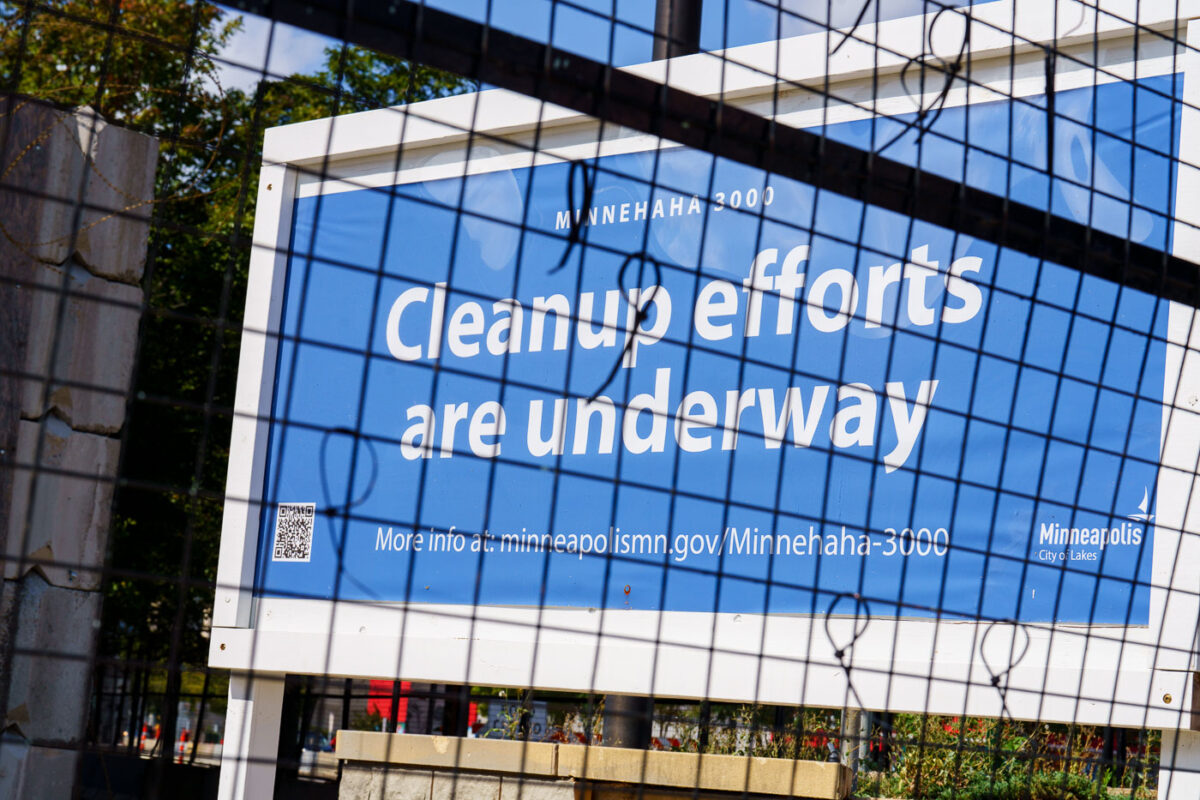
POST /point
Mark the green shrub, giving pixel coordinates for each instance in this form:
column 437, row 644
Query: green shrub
column 939, row 756
column 1040, row 786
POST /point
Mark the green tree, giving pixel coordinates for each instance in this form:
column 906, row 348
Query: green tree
column 152, row 65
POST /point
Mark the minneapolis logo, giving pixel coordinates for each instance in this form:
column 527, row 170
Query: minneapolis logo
column 1144, row 514
column 1052, row 533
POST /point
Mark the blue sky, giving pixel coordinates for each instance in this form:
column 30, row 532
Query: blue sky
column 583, row 26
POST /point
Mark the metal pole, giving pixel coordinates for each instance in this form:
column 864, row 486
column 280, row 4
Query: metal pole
column 705, row 725
column 676, row 28
column 627, row 721
column 394, row 710
column 456, row 710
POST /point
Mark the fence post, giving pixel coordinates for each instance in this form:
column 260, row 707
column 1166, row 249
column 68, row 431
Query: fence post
column 851, row 739
column 1179, row 767
column 252, row 723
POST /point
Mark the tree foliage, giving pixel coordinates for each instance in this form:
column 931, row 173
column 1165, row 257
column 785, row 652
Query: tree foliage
column 153, row 65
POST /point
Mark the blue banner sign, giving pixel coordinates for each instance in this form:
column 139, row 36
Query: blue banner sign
column 708, row 389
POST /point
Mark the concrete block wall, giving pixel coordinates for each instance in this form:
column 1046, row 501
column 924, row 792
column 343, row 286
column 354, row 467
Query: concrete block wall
column 75, row 203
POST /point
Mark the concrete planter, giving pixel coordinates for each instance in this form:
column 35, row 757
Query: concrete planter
column 389, row 766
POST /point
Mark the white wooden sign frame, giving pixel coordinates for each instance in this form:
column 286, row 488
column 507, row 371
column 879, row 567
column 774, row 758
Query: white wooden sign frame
column 1106, row 675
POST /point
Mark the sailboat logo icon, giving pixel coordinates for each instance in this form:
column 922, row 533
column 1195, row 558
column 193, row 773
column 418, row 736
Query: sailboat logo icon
column 1144, row 508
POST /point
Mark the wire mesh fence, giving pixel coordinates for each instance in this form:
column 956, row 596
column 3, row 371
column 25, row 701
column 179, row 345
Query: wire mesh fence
column 734, row 398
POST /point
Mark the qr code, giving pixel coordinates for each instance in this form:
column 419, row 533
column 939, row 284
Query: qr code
column 294, row 532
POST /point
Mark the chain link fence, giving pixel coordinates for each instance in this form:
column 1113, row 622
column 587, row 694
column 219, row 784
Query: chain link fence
column 735, row 398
